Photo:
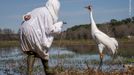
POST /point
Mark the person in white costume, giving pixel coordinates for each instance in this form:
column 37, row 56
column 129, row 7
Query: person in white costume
column 37, row 32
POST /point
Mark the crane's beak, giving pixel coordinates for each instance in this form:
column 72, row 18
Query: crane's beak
column 86, row 7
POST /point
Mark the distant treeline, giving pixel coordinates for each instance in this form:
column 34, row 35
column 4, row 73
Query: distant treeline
column 8, row 35
column 115, row 28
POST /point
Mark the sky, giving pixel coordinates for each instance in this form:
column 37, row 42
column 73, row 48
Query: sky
column 72, row 11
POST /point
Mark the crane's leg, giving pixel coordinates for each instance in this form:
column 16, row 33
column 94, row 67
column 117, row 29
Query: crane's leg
column 101, row 47
column 101, row 61
column 30, row 64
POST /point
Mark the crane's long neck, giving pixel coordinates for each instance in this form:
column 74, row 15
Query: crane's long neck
column 93, row 24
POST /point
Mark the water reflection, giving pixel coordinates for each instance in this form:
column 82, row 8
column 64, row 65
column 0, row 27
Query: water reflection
column 71, row 59
column 10, row 54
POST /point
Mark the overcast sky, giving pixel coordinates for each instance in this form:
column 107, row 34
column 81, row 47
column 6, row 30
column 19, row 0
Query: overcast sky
column 72, row 11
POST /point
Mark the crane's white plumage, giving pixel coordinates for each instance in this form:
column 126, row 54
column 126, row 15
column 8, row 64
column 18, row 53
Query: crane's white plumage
column 101, row 39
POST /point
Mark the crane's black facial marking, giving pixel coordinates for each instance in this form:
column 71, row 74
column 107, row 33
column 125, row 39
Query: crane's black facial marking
column 88, row 7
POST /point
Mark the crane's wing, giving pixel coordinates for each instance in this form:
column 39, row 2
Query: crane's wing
column 101, row 34
column 115, row 42
column 105, row 40
column 101, row 38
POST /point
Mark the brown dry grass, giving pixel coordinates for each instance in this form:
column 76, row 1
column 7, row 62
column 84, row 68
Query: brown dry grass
column 129, row 71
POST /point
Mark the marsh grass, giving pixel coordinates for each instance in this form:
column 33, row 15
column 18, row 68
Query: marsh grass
column 61, row 70
column 91, row 71
column 126, row 46
column 4, row 44
column 95, row 72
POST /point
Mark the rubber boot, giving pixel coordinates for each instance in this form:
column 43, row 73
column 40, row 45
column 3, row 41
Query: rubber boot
column 30, row 64
column 46, row 67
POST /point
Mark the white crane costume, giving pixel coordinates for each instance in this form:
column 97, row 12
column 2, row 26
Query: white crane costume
column 36, row 34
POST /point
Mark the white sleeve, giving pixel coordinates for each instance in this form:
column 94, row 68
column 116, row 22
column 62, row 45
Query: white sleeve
column 56, row 28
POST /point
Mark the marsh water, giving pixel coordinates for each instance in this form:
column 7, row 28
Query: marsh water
column 13, row 60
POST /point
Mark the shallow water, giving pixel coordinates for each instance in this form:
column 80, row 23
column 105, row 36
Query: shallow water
column 13, row 61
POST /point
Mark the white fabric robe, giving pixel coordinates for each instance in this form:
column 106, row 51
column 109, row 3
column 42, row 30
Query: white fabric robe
column 36, row 34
